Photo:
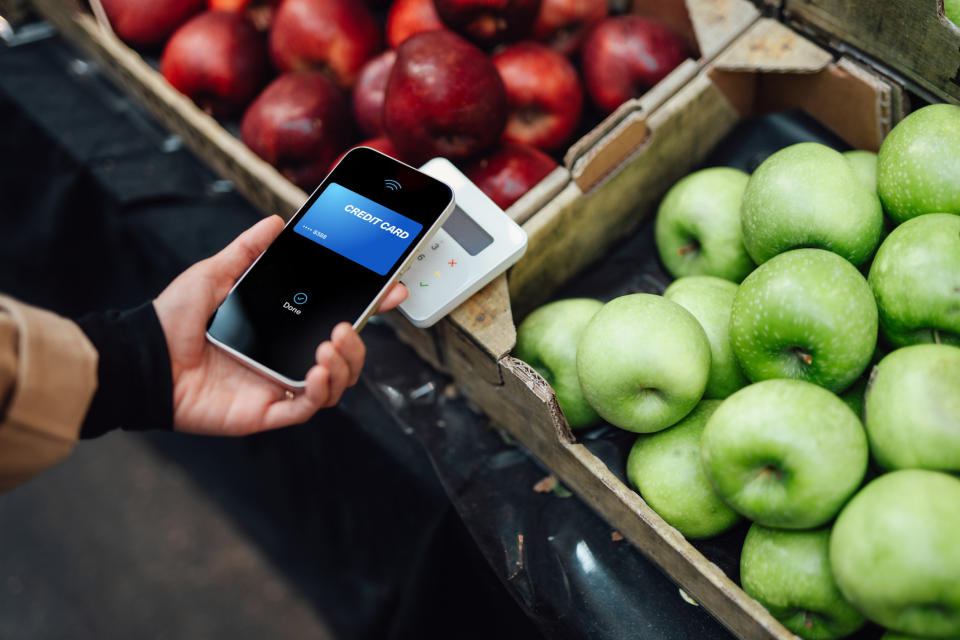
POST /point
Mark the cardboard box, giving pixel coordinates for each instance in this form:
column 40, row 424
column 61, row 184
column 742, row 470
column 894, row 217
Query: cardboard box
column 770, row 68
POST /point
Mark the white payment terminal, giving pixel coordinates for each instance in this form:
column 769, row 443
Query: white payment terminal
column 477, row 243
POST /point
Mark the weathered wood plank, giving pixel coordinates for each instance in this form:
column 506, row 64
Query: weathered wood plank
column 911, row 36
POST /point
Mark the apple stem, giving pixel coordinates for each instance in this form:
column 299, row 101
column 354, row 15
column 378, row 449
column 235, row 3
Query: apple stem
column 769, row 470
column 807, row 620
column 936, row 336
column 804, row 357
column 689, row 248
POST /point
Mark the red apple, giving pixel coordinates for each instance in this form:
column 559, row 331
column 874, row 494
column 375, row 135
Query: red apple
column 624, row 56
column 299, row 124
column 509, row 172
column 369, row 91
column 333, row 36
column 145, row 23
column 383, row 145
column 444, row 98
column 408, row 17
column 489, row 22
column 544, row 94
column 563, row 23
column 218, row 60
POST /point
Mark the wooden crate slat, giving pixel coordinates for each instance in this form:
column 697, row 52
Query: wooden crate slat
column 911, row 36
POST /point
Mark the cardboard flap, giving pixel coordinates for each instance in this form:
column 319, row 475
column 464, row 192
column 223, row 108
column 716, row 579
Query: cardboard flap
column 604, row 149
column 770, row 46
column 831, row 95
column 607, row 154
column 716, row 22
column 584, row 144
column 543, row 391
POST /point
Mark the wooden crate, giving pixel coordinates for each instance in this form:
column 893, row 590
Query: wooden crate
column 770, row 68
column 911, row 37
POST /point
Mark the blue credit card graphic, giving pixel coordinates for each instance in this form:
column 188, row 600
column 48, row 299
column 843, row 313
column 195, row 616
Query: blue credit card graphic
column 358, row 228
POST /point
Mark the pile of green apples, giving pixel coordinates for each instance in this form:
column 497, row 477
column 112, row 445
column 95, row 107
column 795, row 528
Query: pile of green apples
column 802, row 371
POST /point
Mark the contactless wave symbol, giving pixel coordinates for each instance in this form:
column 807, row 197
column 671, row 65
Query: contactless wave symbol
column 391, row 185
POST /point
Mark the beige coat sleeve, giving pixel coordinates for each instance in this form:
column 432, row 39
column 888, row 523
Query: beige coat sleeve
column 48, row 374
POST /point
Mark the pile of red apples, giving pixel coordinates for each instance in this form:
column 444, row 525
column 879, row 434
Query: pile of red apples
column 498, row 86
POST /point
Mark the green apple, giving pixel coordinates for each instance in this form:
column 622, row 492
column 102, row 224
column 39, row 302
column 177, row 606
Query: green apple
column 919, row 162
column 913, row 408
column 643, row 362
column 952, row 10
column 893, row 635
column 806, row 314
column 895, row 555
column 547, row 340
column 665, row 468
column 784, row 453
column 709, row 300
column 808, row 195
column 697, row 229
column 915, row 277
column 864, row 165
column 788, row 572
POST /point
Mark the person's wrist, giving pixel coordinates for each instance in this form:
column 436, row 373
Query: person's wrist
column 135, row 383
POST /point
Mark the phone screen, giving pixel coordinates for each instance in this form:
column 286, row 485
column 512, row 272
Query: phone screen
column 331, row 261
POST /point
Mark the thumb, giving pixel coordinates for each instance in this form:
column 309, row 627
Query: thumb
column 228, row 265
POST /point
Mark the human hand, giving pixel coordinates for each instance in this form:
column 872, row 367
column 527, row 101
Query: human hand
column 214, row 394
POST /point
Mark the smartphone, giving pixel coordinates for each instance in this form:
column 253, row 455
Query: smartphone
column 333, row 262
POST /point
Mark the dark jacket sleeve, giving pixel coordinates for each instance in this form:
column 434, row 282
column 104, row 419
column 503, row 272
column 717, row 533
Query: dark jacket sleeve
column 135, row 389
